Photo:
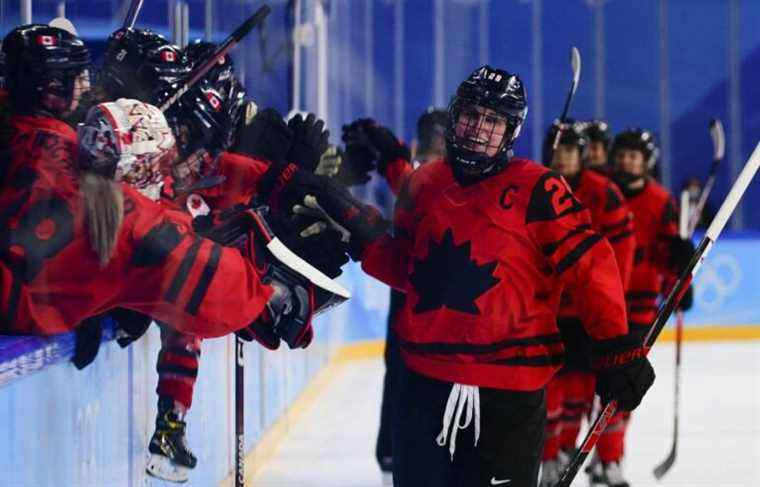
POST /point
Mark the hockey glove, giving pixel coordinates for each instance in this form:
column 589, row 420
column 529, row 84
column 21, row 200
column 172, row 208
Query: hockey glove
column 680, row 252
column 288, row 312
column 330, row 162
column 267, row 136
column 388, row 147
column 88, row 335
column 360, row 155
column 309, row 141
column 687, row 301
column 130, row 325
column 623, row 371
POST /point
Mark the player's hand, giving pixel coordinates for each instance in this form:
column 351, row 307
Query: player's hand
column 261, row 331
column 88, row 335
column 130, row 325
column 309, row 141
column 388, row 147
column 623, row 371
column 330, row 162
column 360, row 155
column 687, row 301
column 267, row 136
column 680, row 251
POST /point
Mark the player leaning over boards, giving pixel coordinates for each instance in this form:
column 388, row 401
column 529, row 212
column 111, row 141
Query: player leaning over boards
column 484, row 244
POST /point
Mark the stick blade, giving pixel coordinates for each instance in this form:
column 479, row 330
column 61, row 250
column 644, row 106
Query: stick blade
column 663, row 468
column 718, row 138
column 575, row 63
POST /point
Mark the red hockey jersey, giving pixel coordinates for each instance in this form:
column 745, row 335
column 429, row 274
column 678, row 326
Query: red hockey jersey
column 51, row 279
column 656, row 222
column 611, row 218
column 483, row 267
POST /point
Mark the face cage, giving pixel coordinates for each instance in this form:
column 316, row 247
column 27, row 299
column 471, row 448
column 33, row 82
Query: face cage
column 513, row 124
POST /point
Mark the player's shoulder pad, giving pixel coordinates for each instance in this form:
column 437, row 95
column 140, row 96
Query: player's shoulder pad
column 551, row 198
column 611, row 195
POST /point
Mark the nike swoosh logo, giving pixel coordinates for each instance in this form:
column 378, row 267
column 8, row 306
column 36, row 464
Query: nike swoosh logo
column 499, row 482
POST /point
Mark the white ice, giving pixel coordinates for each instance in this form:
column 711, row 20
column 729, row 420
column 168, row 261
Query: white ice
column 332, row 443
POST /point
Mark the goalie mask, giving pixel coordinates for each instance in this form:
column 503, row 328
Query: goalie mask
column 485, row 118
column 129, row 141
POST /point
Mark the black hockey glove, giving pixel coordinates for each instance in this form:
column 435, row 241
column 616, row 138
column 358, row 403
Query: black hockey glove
column 88, row 336
column 623, row 371
column 360, row 155
column 130, row 325
column 262, row 331
column 388, row 147
column 687, row 301
column 267, row 136
column 288, row 312
column 312, row 239
column 680, row 251
column 309, row 141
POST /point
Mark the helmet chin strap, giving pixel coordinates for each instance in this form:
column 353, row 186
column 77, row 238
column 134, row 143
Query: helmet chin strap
column 466, row 178
column 625, row 180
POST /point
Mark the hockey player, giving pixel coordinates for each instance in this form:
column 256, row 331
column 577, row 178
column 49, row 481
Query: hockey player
column 484, row 243
column 152, row 261
column 599, row 137
column 659, row 256
column 570, row 394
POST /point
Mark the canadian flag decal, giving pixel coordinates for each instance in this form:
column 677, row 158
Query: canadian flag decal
column 214, row 101
column 168, row 57
column 46, row 40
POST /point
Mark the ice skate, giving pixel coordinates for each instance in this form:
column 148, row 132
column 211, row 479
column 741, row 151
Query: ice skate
column 169, row 457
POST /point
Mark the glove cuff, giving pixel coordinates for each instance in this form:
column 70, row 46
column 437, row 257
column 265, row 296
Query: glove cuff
column 276, row 178
column 616, row 352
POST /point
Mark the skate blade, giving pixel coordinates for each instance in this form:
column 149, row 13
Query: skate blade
column 162, row 468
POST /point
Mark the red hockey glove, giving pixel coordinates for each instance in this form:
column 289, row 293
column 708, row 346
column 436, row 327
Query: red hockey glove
column 623, row 371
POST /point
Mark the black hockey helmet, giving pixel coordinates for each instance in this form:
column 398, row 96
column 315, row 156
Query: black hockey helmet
column 599, row 131
column 636, row 139
column 493, row 89
column 41, row 59
column 199, row 51
column 572, row 135
column 143, row 65
column 206, row 118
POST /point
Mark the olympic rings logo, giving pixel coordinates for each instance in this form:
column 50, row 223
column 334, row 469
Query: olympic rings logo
column 719, row 277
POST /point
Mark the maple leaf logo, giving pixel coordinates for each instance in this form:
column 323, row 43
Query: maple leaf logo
column 449, row 277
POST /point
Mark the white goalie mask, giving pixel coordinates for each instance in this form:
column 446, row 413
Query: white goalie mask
column 129, row 141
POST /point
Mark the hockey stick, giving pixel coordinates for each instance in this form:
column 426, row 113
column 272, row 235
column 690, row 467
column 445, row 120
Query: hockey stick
column 669, row 305
column 239, row 413
column 575, row 64
column 661, row 469
column 686, row 231
column 203, row 68
column 134, row 10
column 718, row 137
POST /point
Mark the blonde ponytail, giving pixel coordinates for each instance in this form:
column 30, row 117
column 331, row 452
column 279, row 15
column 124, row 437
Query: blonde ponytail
column 104, row 204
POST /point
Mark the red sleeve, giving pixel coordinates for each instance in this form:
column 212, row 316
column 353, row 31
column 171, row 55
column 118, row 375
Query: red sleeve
column 194, row 284
column 242, row 177
column 396, row 174
column 617, row 226
column 668, row 230
column 580, row 257
column 387, row 258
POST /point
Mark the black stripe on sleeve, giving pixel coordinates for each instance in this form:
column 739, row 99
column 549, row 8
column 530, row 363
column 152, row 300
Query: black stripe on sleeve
column 550, row 248
column 620, row 236
column 184, row 269
column 620, row 224
column 208, row 274
column 574, row 255
column 469, row 348
column 176, row 370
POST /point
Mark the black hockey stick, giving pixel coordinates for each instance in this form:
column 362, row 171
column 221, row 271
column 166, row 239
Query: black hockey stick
column 575, row 64
column 718, row 137
column 203, row 68
column 669, row 305
column 134, row 10
column 719, row 148
column 239, row 413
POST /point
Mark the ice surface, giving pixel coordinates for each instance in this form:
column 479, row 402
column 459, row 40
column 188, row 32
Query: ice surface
column 332, row 443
